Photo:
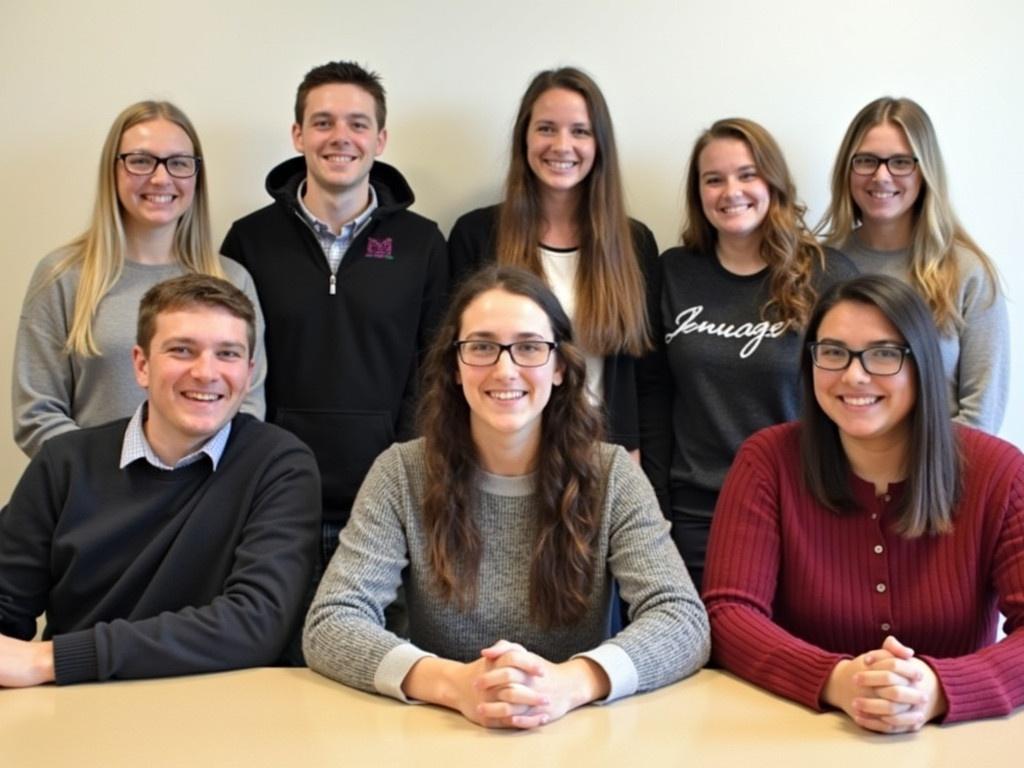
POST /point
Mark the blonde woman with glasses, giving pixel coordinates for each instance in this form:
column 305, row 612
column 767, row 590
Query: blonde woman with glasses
column 150, row 222
column 891, row 214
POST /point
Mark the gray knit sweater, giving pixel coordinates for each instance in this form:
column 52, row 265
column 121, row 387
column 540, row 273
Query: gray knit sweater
column 384, row 546
column 977, row 357
column 54, row 392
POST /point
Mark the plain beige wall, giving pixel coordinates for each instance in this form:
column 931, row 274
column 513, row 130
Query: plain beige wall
column 454, row 73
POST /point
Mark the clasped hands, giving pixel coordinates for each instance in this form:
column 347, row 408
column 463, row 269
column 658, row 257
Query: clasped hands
column 886, row 690
column 508, row 686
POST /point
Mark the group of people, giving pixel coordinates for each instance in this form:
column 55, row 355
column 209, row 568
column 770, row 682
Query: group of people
column 797, row 423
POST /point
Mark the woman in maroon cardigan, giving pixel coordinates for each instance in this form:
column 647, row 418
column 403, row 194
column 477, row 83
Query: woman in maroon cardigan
column 859, row 558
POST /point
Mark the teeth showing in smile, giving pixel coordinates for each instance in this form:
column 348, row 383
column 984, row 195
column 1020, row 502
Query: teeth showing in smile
column 204, row 397
column 735, row 208
column 561, row 165
column 507, row 394
column 159, row 198
column 341, row 159
column 882, row 195
column 864, row 400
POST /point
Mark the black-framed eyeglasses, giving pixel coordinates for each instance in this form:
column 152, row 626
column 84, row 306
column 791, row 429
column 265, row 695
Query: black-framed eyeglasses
column 881, row 360
column 899, row 165
column 525, row 354
column 143, row 164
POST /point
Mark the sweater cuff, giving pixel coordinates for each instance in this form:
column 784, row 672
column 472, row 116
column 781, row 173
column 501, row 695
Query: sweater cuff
column 619, row 667
column 972, row 691
column 394, row 667
column 74, row 658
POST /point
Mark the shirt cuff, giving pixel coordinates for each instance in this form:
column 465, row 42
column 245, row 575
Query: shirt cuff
column 74, row 658
column 619, row 667
column 394, row 667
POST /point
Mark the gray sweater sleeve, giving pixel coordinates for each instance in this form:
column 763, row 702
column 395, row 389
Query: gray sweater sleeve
column 42, row 384
column 983, row 372
column 344, row 637
column 254, row 402
column 668, row 636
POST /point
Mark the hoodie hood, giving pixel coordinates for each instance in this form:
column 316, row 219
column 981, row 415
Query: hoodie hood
column 393, row 191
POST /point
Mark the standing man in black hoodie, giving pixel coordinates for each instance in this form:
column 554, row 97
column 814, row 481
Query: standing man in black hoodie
column 350, row 281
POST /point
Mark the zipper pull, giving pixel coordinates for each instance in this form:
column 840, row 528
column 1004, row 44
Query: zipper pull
column 334, row 281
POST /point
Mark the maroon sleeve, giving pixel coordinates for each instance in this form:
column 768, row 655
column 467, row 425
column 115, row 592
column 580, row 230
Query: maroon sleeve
column 990, row 682
column 742, row 570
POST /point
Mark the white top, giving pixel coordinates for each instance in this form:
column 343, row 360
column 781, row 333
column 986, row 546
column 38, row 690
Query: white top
column 560, row 272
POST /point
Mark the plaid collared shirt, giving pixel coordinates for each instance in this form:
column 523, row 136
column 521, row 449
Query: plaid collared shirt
column 334, row 246
column 136, row 446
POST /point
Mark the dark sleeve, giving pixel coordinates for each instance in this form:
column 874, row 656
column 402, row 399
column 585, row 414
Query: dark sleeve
column 471, row 242
column 837, row 268
column 654, row 390
column 250, row 622
column 432, row 307
column 26, row 532
column 232, row 246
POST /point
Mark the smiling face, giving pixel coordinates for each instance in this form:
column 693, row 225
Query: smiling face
column 884, row 199
column 339, row 137
column 158, row 200
column 871, row 412
column 560, row 144
column 733, row 195
column 196, row 372
column 506, row 401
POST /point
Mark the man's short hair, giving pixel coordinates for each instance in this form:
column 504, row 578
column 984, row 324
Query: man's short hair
column 187, row 292
column 344, row 73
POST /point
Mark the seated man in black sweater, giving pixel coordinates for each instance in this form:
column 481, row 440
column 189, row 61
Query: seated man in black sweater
column 179, row 541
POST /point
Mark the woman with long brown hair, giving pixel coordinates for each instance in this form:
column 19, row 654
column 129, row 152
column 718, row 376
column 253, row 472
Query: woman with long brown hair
column 507, row 519
column 734, row 298
column 563, row 218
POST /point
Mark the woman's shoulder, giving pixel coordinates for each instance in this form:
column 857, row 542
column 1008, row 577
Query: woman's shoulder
column 971, row 268
column 235, row 272
column 643, row 237
column 837, row 266
column 46, row 280
column 774, row 444
column 983, row 452
column 479, row 222
column 408, row 454
column 397, row 471
column 682, row 253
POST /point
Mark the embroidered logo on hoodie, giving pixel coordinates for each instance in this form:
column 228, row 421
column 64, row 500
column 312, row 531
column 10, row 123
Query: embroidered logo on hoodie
column 379, row 249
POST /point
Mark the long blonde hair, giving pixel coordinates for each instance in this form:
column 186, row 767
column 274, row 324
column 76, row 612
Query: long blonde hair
column 937, row 231
column 787, row 246
column 611, row 308
column 99, row 252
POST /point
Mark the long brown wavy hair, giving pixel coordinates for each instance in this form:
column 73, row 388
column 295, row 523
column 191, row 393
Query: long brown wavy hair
column 570, row 481
column 611, row 309
column 787, row 246
column 937, row 230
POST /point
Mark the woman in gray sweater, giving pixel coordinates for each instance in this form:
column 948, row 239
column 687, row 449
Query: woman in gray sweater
column 150, row 222
column 891, row 214
column 506, row 524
